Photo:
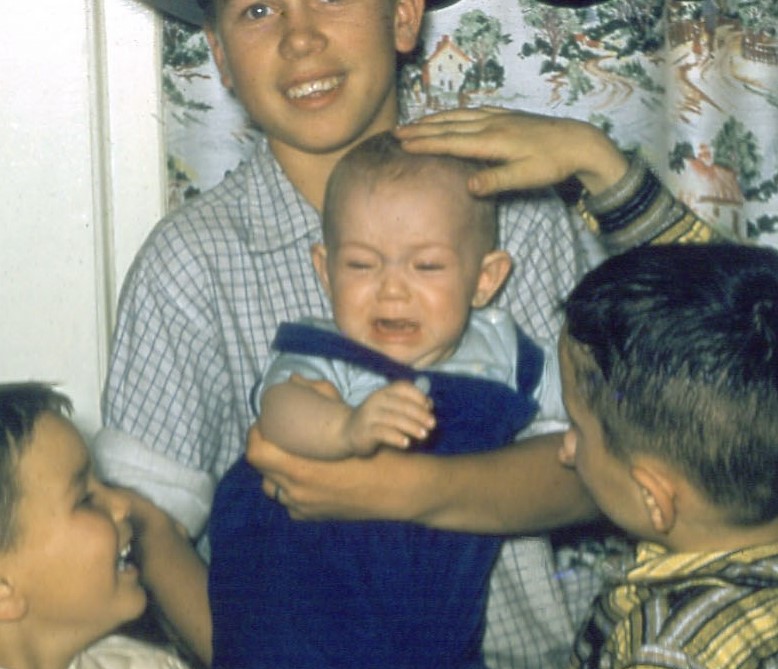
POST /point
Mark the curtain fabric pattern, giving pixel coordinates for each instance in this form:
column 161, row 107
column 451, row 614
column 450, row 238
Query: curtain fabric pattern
column 691, row 84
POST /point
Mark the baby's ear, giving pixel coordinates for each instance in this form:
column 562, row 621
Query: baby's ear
column 319, row 258
column 13, row 604
column 495, row 268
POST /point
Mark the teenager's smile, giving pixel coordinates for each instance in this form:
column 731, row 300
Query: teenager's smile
column 315, row 75
column 315, row 88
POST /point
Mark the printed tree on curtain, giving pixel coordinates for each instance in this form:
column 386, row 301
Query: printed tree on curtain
column 480, row 36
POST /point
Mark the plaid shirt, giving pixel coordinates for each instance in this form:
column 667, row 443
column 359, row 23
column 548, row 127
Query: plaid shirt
column 197, row 312
column 686, row 611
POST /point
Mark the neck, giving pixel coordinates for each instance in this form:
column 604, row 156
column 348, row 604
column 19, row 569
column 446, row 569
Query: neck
column 706, row 537
column 309, row 170
column 16, row 653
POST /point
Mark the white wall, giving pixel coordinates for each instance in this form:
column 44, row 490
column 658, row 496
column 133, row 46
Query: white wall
column 82, row 183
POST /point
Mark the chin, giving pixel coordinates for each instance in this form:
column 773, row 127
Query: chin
column 133, row 608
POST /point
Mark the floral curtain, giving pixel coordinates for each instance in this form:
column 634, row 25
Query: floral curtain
column 691, row 84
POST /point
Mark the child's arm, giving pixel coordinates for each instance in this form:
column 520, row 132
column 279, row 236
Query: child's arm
column 302, row 420
column 522, row 488
column 529, row 150
column 623, row 201
column 174, row 574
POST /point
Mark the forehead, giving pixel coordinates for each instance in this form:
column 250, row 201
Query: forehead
column 418, row 197
column 54, row 456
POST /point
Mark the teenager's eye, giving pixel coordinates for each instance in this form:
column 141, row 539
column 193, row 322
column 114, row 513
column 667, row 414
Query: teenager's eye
column 259, row 11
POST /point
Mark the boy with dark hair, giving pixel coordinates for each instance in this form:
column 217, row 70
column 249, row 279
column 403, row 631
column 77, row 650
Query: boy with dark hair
column 669, row 362
column 67, row 578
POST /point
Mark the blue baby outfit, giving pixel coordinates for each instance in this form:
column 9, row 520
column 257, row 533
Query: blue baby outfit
column 361, row 595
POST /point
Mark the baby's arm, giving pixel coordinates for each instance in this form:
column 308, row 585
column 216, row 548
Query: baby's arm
column 302, row 420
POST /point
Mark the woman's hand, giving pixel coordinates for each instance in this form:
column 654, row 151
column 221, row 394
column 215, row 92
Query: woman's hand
column 347, row 489
column 527, row 150
column 521, row 488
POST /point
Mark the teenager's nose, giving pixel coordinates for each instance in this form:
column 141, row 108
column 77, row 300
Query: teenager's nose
column 302, row 35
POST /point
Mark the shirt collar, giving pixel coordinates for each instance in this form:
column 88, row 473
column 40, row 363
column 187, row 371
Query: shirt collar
column 275, row 212
column 656, row 564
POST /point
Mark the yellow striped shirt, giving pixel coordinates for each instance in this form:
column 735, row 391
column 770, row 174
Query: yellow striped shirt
column 686, row 611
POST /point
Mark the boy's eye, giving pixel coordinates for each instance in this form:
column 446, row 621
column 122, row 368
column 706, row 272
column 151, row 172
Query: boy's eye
column 87, row 498
column 259, row 11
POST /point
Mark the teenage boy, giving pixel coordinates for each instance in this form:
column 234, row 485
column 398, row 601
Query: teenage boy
column 214, row 280
column 669, row 362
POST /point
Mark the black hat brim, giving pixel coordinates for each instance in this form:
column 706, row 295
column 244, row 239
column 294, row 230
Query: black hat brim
column 190, row 12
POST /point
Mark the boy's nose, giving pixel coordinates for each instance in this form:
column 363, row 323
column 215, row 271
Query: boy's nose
column 118, row 503
column 302, row 35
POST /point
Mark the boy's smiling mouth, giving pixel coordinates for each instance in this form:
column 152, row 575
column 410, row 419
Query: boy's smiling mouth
column 314, row 87
column 124, row 561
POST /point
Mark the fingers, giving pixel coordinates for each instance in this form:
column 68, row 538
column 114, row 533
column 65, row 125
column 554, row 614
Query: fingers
column 523, row 151
column 398, row 415
column 461, row 115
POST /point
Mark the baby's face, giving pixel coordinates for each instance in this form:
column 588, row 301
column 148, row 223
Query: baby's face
column 69, row 562
column 403, row 269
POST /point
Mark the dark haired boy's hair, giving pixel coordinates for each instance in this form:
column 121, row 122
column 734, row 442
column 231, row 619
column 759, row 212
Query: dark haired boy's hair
column 675, row 350
column 381, row 158
column 21, row 404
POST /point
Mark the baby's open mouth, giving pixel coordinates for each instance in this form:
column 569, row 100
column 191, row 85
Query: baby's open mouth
column 395, row 325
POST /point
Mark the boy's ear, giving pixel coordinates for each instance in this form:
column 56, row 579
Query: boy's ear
column 658, row 494
column 495, row 267
column 319, row 258
column 408, row 15
column 13, row 605
column 219, row 57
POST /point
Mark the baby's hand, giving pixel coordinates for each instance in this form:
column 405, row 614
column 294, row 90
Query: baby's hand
column 396, row 415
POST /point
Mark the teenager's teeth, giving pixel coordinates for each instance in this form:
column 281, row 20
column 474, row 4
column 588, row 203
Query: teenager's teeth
column 312, row 87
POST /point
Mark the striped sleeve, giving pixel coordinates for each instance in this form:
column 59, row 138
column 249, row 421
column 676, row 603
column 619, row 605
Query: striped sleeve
column 638, row 210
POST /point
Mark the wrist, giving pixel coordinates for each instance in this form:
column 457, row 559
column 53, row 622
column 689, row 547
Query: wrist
column 605, row 164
